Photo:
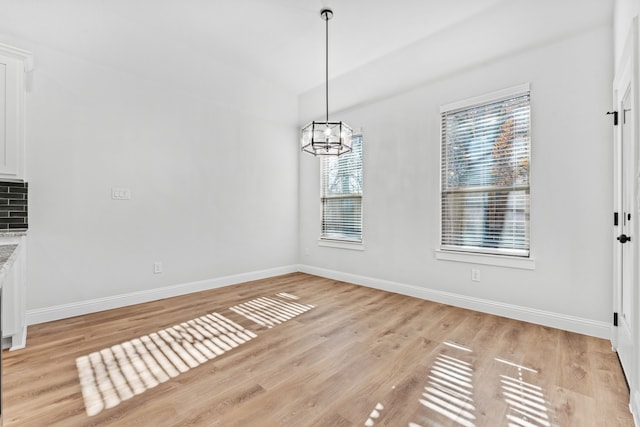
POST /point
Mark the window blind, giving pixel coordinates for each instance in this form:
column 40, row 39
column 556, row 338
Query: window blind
column 341, row 194
column 485, row 197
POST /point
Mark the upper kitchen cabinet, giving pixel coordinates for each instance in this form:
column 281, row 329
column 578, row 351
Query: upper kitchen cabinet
column 15, row 64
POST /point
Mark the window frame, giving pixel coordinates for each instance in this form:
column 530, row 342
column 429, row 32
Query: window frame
column 336, row 241
column 490, row 257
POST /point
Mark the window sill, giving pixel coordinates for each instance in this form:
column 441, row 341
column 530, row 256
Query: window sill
column 497, row 260
column 356, row 246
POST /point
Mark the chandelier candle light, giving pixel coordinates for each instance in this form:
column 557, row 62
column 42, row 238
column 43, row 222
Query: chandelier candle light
column 326, row 138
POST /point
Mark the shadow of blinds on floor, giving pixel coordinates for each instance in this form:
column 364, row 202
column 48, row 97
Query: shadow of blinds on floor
column 115, row 374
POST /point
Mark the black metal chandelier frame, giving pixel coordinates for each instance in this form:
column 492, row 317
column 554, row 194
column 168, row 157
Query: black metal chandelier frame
column 326, row 138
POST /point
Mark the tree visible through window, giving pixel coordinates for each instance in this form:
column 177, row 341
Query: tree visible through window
column 485, row 198
column 341, row 194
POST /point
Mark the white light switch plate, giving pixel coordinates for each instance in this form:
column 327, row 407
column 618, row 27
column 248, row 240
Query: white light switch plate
column 121, row 193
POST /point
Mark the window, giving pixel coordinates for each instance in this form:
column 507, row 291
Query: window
column 341, row 195
column 485, row 167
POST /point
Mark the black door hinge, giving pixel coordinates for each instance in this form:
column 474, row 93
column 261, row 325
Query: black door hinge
column 615, row 117
column 615, row 319
column 615, row 219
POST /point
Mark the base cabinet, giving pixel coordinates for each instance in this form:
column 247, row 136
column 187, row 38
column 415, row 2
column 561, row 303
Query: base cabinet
column 14, row 325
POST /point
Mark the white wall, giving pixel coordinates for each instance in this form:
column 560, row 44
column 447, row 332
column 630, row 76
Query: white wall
column 571, row 178
column 195, row 156
column 210, row 162
column 623, row 13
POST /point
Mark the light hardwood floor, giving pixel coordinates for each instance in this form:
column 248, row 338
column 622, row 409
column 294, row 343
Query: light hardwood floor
column 339, row 355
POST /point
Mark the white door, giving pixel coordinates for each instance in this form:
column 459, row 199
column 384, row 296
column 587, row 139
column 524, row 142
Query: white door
column 625, row 233
column 625, row 305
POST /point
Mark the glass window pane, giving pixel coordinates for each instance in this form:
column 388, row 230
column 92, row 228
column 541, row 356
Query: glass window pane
column 485, row 177
column 341, row 194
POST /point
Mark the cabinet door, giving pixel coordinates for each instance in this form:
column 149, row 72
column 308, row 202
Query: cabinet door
column 14, row 326
column 11, row 106
column 9, row 307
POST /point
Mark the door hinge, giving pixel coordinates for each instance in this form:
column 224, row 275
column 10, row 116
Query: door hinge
column 615, row 319
column 615, row 219
column 615, row 117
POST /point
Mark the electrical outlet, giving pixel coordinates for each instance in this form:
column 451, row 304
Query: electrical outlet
column 157, row 267
column 475, row 275
column 307, row 252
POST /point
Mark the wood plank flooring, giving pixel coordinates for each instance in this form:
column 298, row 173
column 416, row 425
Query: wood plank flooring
column 338, row 355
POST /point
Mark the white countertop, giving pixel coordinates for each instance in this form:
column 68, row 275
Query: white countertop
column 12, row 233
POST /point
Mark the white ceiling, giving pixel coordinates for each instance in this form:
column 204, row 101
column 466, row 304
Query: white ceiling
column 281, row 39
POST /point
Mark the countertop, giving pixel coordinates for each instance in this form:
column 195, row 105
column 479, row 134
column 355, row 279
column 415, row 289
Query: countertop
column 12, row 233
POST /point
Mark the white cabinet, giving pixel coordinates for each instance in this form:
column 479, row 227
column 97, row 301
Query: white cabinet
column 14, row 66
column 15, row 78
column 14, row 324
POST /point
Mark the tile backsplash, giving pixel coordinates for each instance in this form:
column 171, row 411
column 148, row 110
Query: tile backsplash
column 13, row 205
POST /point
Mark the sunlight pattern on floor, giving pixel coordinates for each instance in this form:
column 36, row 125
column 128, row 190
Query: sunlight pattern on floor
column 374, row 415
column 286, row 295
column 271, row 311
column 527, row 404
column 448, row 395
column 114, row 374
column 449, row 391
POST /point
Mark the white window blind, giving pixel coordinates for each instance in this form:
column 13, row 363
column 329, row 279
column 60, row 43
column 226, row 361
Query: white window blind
column 341, row 194
column 485, row 199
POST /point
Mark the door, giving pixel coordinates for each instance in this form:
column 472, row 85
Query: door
column 625, row 233
column 625, row 305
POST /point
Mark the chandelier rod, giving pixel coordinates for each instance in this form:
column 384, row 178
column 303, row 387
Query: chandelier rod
column 326, row 56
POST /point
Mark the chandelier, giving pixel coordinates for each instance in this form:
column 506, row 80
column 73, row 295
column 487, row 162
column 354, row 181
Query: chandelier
column 326, row 138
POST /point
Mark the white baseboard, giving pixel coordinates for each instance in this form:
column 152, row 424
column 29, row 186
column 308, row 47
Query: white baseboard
column 540, row 317
column 634, row 407
column 63, row 311
column 19, row 340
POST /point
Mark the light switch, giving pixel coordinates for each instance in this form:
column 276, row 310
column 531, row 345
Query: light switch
column 120, row 193
column 157, row 267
